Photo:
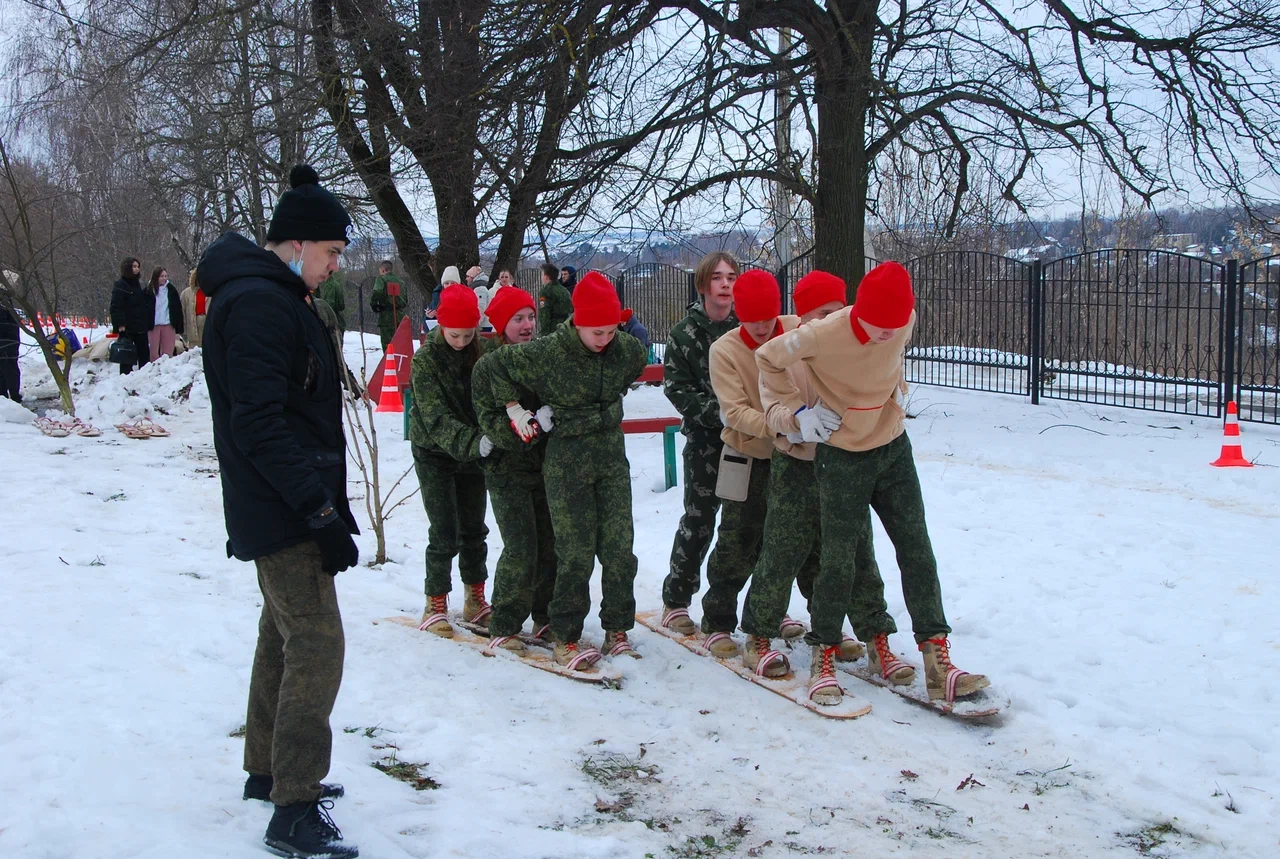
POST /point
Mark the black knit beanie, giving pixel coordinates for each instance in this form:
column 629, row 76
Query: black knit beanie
column 307, row 212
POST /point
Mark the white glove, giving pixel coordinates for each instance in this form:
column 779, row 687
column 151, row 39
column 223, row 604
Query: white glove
column 812, row 428
column 831, row 420
column 523, row 422
column 543, row 416
column 486, row 446
column 795, row 438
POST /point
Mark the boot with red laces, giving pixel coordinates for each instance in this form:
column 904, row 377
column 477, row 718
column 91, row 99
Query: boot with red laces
column 760, row 657
column 617, row 644
column 883, row 662
column 575, row 657
column 823, row 687
column 475, row 608
column 944, row 680
column 435, row 617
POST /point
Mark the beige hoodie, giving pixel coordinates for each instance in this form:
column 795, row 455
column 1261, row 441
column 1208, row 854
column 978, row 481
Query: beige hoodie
column 735, row 377
column 855, row 379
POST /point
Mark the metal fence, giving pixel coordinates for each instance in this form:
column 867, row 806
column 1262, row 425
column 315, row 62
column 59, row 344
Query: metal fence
column 658, row 293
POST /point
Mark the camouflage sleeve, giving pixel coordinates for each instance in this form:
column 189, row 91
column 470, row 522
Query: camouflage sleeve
column 562, row 306
column 584, row 420
column 450, row 432
column 491, row 412
column 684, row 384
column 378, row 300
column 516, row 367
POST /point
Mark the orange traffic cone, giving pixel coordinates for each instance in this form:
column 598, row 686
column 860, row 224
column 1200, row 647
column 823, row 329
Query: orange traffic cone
column 1232, row 455
column 390, row 400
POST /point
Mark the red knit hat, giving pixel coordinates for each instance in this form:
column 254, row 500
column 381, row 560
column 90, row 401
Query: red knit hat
column 816, row 289
column 458, row 307
column 884, row 298
column 756, row 297
column 506, row 303
column 595, row 302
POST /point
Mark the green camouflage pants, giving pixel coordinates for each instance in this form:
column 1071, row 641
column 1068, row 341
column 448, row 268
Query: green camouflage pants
column 297, row 670
column 588, row 484
column 738, row 543
column 793, row 547
column 526, row 574
column 884, row 478
column 454, row 497
column 698, row 523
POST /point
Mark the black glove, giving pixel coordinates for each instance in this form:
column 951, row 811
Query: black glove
column 338, row 551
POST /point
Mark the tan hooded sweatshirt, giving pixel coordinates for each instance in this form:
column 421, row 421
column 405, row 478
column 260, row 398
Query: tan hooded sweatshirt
column 735, row 377
column 853, row 378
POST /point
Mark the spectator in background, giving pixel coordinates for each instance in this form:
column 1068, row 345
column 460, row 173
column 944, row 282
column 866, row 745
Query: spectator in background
column 10, row 375
column 479, row 283
column 555, row 304
column 388, row 301
column 631, row 324
column 195, row 306
column 162, row 339
column 133, row 311
column 333, row 291
column 450, row 276
column 569, row 278
column 505, row 278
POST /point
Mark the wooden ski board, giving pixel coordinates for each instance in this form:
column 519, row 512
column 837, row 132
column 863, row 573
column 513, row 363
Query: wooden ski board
column 983, row 705
column 789, row 686
column 529, row 639
column 604, row 673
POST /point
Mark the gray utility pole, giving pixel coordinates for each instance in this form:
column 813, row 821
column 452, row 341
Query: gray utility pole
column 782, row 144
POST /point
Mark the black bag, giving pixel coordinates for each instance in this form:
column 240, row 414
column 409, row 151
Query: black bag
column 123, row 351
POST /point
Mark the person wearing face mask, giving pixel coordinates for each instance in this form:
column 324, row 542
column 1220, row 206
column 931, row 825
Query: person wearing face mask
column 276, row 400
column 448, row 446
column 526, row 573
column 854, row 359
column 163, row 336
column 580, row 373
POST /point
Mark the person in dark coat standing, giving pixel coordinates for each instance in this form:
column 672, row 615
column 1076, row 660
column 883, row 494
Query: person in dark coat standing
column 10, row 375
column 133, row 311
column 276, row 397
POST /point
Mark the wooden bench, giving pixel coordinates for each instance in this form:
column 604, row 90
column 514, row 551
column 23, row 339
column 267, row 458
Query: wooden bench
column 667, row 426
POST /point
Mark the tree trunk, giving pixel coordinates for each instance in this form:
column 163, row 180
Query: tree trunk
column 842, row 95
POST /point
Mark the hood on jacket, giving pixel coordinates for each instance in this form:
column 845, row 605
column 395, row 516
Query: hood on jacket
column 233, row 256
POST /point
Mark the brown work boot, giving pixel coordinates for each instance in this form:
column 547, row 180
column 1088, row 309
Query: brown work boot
column 575, row 657
column 943, row 679
column 678, row 621
column 475, row 608
column 720, row 645
column 507, row 642
column 882, row 661
column 435, row 617
column 824, row 690
column 760, row 657
column 617, row 644
column 851, row 649
column 791, row 628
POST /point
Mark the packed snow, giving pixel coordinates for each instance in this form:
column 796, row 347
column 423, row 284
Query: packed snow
column 1119, row 590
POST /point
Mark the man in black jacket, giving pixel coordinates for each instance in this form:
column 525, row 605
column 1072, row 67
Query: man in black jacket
column 275, row 389
column 10, row 375
column 133, row 311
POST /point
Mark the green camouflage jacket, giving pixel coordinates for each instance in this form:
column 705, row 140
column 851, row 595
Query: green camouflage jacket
column 510, row 454
column 686, row 373
column 555, row 305
column 382, row 303
column 442, row 419
column 332, row 293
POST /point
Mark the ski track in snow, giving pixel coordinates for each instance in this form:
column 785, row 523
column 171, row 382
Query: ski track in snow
column 1117, row 588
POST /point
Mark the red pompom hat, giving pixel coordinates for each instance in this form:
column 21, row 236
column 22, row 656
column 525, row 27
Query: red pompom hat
column 756, row 297
column 595, row 302
column 884, row 298
column 508, row 301
column 816, row 289
column 458, row 307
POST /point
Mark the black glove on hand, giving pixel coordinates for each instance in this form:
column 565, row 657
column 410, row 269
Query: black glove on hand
column 338, row 551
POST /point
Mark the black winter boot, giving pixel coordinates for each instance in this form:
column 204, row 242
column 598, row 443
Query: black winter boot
column 259, row 787
column 305, row 830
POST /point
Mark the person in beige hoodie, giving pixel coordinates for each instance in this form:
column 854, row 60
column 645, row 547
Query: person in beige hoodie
column 855, row 363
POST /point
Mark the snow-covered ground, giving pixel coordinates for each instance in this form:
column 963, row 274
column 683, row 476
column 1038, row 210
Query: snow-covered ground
column 1116, row 587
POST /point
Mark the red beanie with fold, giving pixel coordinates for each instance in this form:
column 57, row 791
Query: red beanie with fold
column 458, row 307
column 885, row 298
column 595, row 302
column 816, row 289
column 506, row 303
column 756, row 297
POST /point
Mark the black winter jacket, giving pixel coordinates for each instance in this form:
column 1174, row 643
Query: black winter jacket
column 276, row 394
column 9, row 334
column 133, row 307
